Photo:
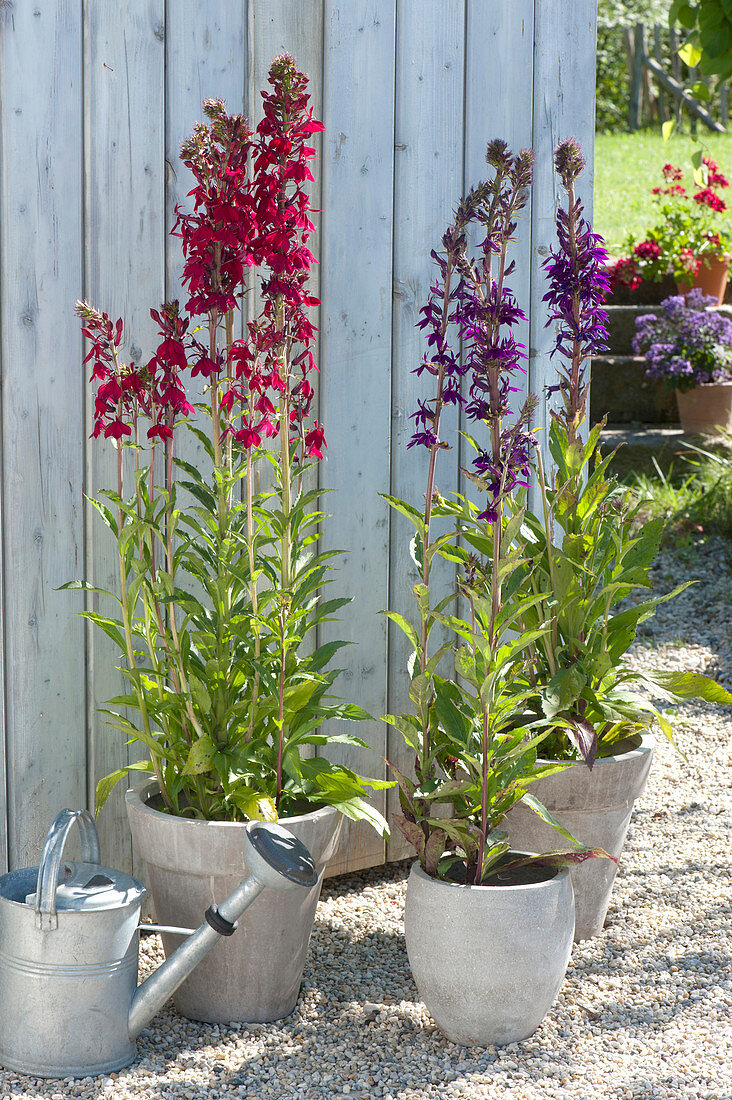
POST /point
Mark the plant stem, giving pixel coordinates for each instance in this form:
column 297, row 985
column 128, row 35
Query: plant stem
column 285, row 477
column 253, row 583
column 281, row 707
column 128, row 627
column 423, row 661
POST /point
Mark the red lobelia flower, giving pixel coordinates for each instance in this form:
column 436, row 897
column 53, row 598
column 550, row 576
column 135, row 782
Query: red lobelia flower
column 217, row 237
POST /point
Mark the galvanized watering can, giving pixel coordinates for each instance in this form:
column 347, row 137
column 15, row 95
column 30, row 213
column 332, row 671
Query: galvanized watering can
column 69, row 936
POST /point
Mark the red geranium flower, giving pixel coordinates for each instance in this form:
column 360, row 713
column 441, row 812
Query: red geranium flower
column 707, row 197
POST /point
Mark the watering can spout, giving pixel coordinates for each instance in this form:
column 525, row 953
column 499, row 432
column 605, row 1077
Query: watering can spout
column 275, row 859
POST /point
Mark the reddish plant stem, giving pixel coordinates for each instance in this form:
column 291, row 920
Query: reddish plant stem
column 281, row 707
column 433, row 452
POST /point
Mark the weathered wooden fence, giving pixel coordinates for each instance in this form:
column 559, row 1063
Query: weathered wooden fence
column 662, row 86
column 96, row 98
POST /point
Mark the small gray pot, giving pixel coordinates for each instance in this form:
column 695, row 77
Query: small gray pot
column 595, row 806
column 254, row 975
column 488, row 960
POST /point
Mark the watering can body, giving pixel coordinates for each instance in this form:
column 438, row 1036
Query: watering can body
column 65, row 991
column 69, row 937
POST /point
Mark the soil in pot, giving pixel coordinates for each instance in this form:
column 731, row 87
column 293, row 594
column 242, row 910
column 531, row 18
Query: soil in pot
column 595, row 806
column 255, row 974
column 488, row 961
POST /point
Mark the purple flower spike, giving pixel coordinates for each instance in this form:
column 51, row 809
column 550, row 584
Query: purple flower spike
column 578, row 285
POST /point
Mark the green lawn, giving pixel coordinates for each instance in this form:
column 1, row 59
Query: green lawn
column 628, row 165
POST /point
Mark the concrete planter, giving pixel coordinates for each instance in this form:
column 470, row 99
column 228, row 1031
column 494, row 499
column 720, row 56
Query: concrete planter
column 706, row 409
column 255, row 974
column 489, row 960
column 595, row 806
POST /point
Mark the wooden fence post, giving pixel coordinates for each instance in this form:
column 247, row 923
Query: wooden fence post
column 676, row 70
column 723, row 104
column 635, row 106
column 658, row 52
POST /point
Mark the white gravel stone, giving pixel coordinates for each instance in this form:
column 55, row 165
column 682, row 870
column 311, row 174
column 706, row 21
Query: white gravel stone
column 644, row 1011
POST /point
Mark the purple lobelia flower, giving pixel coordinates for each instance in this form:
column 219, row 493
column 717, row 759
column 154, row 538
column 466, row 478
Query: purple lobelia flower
column 578, row 284
column 487, row 313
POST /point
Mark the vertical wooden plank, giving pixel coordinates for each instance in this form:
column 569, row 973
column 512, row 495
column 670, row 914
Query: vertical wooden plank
column 42, row 415
column 206, row 58
column 564, row 106
column 428, row 183
column 358, row 100
column 504, row 29
column 494, row 110
column 277, row 27
column 124, row 204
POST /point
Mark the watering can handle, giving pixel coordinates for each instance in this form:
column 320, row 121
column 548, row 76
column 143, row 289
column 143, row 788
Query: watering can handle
column 53, row 851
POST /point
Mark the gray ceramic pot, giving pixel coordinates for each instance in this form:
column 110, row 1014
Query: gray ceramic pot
column 488, row 960
column 255, row 974
column 595, row 806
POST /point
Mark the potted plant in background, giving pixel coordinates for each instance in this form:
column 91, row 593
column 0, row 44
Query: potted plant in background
column 693, row 239
column 488, row 930
column 688, row 344
column 584, row 550
column 220, row 584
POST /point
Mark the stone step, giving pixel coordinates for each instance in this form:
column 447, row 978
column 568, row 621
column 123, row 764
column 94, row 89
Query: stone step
column 640, row 449
column 620, row 390
column 621, row 325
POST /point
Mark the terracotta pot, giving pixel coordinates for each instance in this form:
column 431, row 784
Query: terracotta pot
column 595, row 806
column 706, row 409
column 711, row 278
column 255, row 974
column 488, row 961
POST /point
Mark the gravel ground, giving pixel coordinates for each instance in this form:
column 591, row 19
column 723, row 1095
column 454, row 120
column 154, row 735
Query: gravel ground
column 645, row 1010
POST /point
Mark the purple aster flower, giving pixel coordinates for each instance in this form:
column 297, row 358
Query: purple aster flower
column 687, row 343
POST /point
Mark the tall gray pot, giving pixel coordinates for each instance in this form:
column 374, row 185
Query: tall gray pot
column 595, row 806
column 488, row 961
column 254, row 975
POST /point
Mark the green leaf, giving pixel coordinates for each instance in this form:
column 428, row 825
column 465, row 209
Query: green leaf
column 690, row 54
column 407, row 726
column 668, row 128
column 403, row 625
column 105, row 786
column 357, row 809
column 254, row 805
column 415, row 518
column 541, row 811
column 700, row 90
column 200, row 756
column 691, row 685
column 559, row 858
column 110, row 628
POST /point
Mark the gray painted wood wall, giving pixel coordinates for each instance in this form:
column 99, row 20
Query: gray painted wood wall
column 96, row 98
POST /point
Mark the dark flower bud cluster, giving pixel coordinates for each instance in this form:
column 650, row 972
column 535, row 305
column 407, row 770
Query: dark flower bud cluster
column 569, row 161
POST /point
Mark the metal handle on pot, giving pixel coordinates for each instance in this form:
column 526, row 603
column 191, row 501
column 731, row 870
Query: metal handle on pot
column 53, row 850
